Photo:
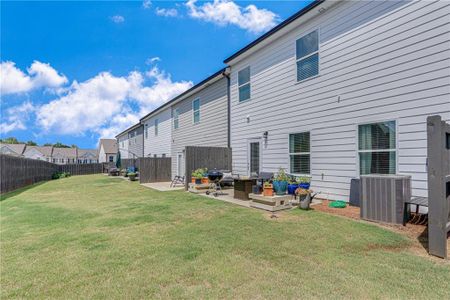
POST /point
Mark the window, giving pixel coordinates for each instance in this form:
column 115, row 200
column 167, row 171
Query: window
column 155, row 156
column 196, row 110
column 111, row 158
column 176, row 122
column 244, row 84
column 146, row 131
column 377, row 148
column 299, row 153
column 156, row 127
column 163, row 155
column 307, row 53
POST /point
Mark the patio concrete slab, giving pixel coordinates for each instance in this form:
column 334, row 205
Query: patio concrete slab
column 228, row 197
column 163, row 186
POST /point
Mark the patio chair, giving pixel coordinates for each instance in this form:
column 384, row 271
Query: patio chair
column 177, row 179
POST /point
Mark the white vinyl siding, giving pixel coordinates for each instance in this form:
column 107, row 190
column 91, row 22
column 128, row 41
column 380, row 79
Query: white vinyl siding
column 307, row 55
column 244, row 84
column 196, row 111
column 211, row 131
column 159, row 144
column 379, row 60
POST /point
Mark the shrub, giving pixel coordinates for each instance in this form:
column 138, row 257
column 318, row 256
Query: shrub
column 199, row 173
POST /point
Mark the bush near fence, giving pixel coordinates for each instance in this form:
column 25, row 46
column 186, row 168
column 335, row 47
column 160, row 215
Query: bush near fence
column 18, row 172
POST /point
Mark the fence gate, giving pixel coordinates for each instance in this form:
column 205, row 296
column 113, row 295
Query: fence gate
column 155, row 169
column 438, row 133
column 206, row 157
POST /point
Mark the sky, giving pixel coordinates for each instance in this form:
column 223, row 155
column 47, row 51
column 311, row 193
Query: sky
column 77, row 71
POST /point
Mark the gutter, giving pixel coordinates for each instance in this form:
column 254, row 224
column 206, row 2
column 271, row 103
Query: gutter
column 226, row 73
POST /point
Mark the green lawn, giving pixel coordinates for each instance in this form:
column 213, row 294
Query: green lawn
column 100, row 237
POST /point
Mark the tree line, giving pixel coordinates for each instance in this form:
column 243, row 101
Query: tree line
column 13, row 140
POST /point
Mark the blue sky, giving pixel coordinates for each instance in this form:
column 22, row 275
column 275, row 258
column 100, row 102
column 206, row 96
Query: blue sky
column 77, row 71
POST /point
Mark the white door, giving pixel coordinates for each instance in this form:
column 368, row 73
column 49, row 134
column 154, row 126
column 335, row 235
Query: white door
column 254, row 156
column 180, row 164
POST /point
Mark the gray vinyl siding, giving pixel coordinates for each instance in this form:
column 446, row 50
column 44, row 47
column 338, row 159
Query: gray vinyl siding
column 379, row 61
column 212, row 128
column 123, row 145
column 160, row 144
column 136, row 145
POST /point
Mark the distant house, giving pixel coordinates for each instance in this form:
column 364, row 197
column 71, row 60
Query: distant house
column 38, row 152
column 12, row 149
column 131, row 142
column 107, row 150
column 87, row 156
column 62, row 156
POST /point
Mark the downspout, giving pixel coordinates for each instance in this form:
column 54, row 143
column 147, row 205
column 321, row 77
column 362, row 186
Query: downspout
column 226, row 73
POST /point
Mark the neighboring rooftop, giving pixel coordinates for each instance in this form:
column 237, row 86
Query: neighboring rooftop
column 85, row 152
column 65, row 152
column 109, row 145
column 45, row 150
column 17, row 148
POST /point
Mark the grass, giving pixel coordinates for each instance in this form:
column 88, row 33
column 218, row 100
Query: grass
column 100, row 237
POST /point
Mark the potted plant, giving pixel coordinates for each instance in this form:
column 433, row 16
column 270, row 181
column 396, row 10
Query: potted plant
column 205, row 179
column 280, row 183
column 292, row 186
column 304, row 182
column 198, row 175
column 132, row 176
column 268, row 189
column 304, row 197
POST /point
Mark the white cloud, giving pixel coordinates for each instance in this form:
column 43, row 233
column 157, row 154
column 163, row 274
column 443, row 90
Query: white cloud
column 117, row 19
column 103, row 104
column 152, row 60
column 146, row 4
column 166, row 12
column 13, row 80
column 226, row 12
column 17, row 117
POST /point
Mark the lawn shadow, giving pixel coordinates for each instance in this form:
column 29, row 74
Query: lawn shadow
column 423, row 238
column 19, row 191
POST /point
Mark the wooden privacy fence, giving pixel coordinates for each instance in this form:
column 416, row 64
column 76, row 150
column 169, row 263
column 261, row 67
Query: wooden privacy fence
column 206, row 157
column 17, row 172
column 129, row 162
column 438, row 134
column 82, row 169
column 155, row 169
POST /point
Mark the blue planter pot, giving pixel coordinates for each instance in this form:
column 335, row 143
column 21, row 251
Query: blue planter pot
column 292, row 188
column 280, row 187
column 304, row 185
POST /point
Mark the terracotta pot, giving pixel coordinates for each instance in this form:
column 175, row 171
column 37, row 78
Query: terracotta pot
column 193, row 179
column 268, row 191
column 205, row 180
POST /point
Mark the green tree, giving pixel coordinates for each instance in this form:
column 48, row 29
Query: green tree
column 31, row 143
column 48, row 144
column 10, row 140
column 60, row 145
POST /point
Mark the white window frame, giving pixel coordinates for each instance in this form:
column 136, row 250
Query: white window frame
column 249, row 83
column 358, row 163
column 156, row 124
column 146, row 131
column 193, row 111
column 306, row 56
column 176, row 118
column 299, row 153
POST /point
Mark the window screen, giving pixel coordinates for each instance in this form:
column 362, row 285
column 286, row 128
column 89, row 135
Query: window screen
column 196, row 110
column 307, row 54
column 244, row 84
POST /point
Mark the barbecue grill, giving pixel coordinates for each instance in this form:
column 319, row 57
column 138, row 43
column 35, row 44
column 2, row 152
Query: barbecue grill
column 214, row 177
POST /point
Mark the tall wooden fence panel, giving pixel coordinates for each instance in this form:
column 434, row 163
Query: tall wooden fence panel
column 81, row 169
column 219, row 158
column 155, row 169
column 438, row 134
column 17, row 172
